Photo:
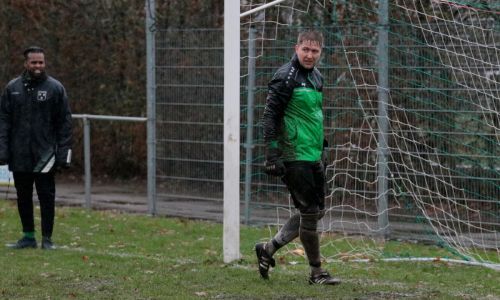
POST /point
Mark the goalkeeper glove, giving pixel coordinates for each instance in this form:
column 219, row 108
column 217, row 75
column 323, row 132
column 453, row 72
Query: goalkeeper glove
column 274, row 164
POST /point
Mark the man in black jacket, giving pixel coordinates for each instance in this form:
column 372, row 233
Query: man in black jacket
column 294, row 138
column 35, row 141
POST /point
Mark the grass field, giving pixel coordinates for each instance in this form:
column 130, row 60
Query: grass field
column 110, row 255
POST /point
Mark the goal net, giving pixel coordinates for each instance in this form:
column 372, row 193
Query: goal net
column 418, row 164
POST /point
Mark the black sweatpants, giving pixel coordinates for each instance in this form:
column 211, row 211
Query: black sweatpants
column 46, row 191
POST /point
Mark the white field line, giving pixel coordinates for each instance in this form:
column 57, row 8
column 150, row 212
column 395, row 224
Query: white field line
column 404, row 259
column 124, row 255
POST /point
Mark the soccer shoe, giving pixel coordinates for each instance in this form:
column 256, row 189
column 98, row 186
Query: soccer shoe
column 264, row 260
column 47, row 244
column 323, row 278
column 24, row 242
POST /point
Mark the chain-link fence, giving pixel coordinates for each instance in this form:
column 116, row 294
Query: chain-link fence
column 445, row 133
column 189, row 114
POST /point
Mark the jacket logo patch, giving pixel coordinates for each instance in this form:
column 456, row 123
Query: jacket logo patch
column 41, row 96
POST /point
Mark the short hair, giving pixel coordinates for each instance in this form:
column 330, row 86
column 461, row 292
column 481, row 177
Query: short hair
column 32, row 49
column 312, row 35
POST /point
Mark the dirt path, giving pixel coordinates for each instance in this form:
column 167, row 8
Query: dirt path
column 132, row 197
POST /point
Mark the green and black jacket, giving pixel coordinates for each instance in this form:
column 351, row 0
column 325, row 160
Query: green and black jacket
column 293, row 116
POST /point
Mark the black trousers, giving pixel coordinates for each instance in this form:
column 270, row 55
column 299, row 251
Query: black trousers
column 46, row 191
column 306, row 183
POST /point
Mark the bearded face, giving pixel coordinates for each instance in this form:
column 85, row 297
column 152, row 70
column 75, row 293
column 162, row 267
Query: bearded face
column 35, row 64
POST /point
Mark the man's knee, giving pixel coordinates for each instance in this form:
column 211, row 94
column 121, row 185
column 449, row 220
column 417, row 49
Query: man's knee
column 309, row 220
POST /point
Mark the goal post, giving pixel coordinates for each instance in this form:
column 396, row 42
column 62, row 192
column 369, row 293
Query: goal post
column 412, row 115
column 231, row 194
column 231, row 222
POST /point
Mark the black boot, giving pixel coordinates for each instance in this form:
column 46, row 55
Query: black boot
column 24, row 242
column 47, row 243
column 264, row 260
column 323, row 278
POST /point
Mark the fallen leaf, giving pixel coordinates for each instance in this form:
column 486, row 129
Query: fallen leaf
column 298, row 251
column 282, row 260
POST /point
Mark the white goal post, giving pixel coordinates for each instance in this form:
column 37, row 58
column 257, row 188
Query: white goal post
column 231, row 235
column 411, row 113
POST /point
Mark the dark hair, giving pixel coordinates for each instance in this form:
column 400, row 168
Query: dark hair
column 313, row 36
column 32, row 49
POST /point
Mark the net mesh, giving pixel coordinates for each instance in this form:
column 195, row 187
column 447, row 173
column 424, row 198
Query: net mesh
column 442, row 183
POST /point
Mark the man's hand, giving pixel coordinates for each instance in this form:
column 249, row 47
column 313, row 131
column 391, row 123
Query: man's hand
column 274, row 164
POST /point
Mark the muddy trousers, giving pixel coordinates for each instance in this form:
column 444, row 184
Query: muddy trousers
column 306, row 183
column 46, row 191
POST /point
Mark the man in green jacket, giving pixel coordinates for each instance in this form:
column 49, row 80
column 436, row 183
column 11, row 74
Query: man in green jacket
column 294, row 138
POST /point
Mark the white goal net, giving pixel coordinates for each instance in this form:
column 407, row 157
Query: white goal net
column 421, row 164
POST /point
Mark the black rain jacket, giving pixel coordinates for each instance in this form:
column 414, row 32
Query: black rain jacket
column 35, row 123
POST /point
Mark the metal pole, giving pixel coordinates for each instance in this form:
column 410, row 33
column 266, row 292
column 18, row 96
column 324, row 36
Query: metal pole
column 150, row 8
column 109, row 118
column 86, row 155
column 383, row 121
column 262, row 7
column 231, row 226
column 249, row 139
